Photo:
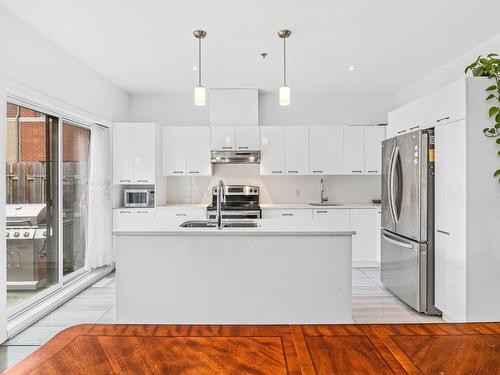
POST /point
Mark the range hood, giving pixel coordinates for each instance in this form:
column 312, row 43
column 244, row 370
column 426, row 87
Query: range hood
column 235, row 157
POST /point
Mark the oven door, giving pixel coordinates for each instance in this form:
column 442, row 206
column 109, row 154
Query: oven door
column 136, row 198
column 234, row 215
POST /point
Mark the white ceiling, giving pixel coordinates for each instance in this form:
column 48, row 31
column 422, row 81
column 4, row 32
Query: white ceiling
column 148, row 46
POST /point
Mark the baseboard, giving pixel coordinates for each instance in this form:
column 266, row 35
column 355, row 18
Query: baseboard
column 366, row 264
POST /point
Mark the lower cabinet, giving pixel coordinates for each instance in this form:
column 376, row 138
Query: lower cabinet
column 144, row 219
column 287, row 214
column 338, row 219
column 364, row 242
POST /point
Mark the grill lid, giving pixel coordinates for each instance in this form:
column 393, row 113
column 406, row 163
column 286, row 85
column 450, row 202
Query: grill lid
column 30, row 214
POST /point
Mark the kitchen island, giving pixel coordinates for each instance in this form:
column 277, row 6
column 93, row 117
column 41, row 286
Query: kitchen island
column 275, row 273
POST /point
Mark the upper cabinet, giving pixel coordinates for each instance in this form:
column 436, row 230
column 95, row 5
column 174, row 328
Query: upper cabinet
column 374, row 135
column 134, row 153
column 186, row 151
column 326, row 150
column 354, row 149
column 272, row 144
column 239, row 138
column 233, row 107
column 438, row 108
column 297, row 150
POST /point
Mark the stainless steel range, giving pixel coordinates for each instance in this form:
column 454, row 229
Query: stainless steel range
column 239, row 202
column 26, row 240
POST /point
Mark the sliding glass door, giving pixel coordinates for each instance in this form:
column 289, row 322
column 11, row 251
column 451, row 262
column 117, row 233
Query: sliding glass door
column 31, row 205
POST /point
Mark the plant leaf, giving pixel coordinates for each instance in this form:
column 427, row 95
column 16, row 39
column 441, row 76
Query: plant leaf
column 493, row 111
column 491, row 96
column 497, row 172
column 498, row 141
column 491, row 88
column 492, row 54
column 497, row 118
column 497, row 126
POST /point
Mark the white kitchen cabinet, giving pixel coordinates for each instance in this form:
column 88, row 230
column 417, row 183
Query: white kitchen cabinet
column 247, row 138
column 374, row 135
column 326, row 150
column 144, row 218
column 144, row 153
column 123, row 219
column 134, row 153
column 354, row 150
column 172, row 218
column 296, row 150
column 198, row 151
column 223, row 138
column 233, row 107
column 338, row 219
column 174, row 151
column 287, row 214
column 186, row 151
column 364, row 242
column 272, row 144
column 123, row 153
column 450, row 220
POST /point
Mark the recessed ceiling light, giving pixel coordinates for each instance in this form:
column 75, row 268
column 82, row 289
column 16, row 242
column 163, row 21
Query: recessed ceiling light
column 195, row 68
column 351, row 68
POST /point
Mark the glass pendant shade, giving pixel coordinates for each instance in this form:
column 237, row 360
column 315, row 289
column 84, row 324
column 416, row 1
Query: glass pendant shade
column 200, row 96
column 284, row 95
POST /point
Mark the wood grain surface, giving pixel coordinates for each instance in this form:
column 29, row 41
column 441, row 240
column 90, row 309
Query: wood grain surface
column 439, row 349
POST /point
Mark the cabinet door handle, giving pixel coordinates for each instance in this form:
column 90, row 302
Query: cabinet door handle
column 293, row 171
column 124, row 180
column 401, row 131
column 194, row 172
column 180, row 214
column 286, row 214
column 242, row 147
column 442, row 119
column 357, row 171
column 125, row 212
column 178, row 172
column 277, row 172
column 317, row 171
column 321, row 212
column 443, row 232
column 142, row 212
column 373, row 172
column 227, row 147
column 142, row 180
column 415, row 127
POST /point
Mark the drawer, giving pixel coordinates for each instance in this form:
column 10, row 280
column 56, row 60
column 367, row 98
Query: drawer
column 174, row 218
column 287, row 214
column 123, row 219
column 338, row 219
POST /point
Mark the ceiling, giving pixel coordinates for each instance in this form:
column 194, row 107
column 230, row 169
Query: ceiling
column 148, row 46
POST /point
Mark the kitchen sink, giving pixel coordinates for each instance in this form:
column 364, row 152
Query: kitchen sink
column 326, row 204
column 210, row 224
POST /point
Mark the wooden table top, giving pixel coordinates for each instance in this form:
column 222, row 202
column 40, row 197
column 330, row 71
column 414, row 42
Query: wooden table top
column 277, row 349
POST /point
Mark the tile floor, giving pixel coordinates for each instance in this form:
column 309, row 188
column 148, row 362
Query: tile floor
column 371, row 303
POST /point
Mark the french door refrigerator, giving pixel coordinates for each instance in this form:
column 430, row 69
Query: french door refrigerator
column 407, row 250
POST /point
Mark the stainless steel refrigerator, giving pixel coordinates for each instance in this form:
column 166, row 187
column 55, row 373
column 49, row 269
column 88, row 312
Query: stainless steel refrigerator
column 407, row 251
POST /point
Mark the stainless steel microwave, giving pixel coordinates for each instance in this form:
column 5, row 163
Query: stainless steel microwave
column 138, row 198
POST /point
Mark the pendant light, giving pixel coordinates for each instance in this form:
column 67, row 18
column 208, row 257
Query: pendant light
column 284, row 90
column 200, row 94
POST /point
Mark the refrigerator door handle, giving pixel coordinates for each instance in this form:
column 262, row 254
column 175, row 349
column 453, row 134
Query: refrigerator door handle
column 398, row 243
column 391, row 184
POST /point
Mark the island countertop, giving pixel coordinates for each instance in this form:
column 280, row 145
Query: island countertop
column 265, row 227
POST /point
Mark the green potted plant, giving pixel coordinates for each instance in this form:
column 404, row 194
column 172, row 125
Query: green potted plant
column 489, row 67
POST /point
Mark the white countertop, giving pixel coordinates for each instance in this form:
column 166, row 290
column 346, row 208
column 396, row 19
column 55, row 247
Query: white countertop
column 308, row 227
column 275, row 206
column 285, row 206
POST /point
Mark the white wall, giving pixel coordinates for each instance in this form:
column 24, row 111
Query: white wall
column 447, row 74
column 37, row 69
column 306, row 109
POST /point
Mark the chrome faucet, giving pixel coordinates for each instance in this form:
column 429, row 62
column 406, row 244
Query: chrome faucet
column 220, row 199
column 322, row 197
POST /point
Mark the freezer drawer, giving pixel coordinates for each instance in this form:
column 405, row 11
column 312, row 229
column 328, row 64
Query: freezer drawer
column 404, row 269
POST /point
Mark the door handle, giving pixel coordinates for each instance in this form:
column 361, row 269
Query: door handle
column 357, row 171
column 398, row 243
column 442, row 119
column 286, row 214
column 317, row 171
column 401, row 131
column 194, row 172
column 178, row 172
column 227, row 147
column 415, row 127
column 373, row 171
column 277, row 172
column 124, row 180
column 142, row 180
column 443, row 232
column 321, row 212
column 242, row 147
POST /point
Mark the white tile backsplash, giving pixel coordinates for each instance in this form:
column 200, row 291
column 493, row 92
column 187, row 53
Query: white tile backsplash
column 274, row 189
